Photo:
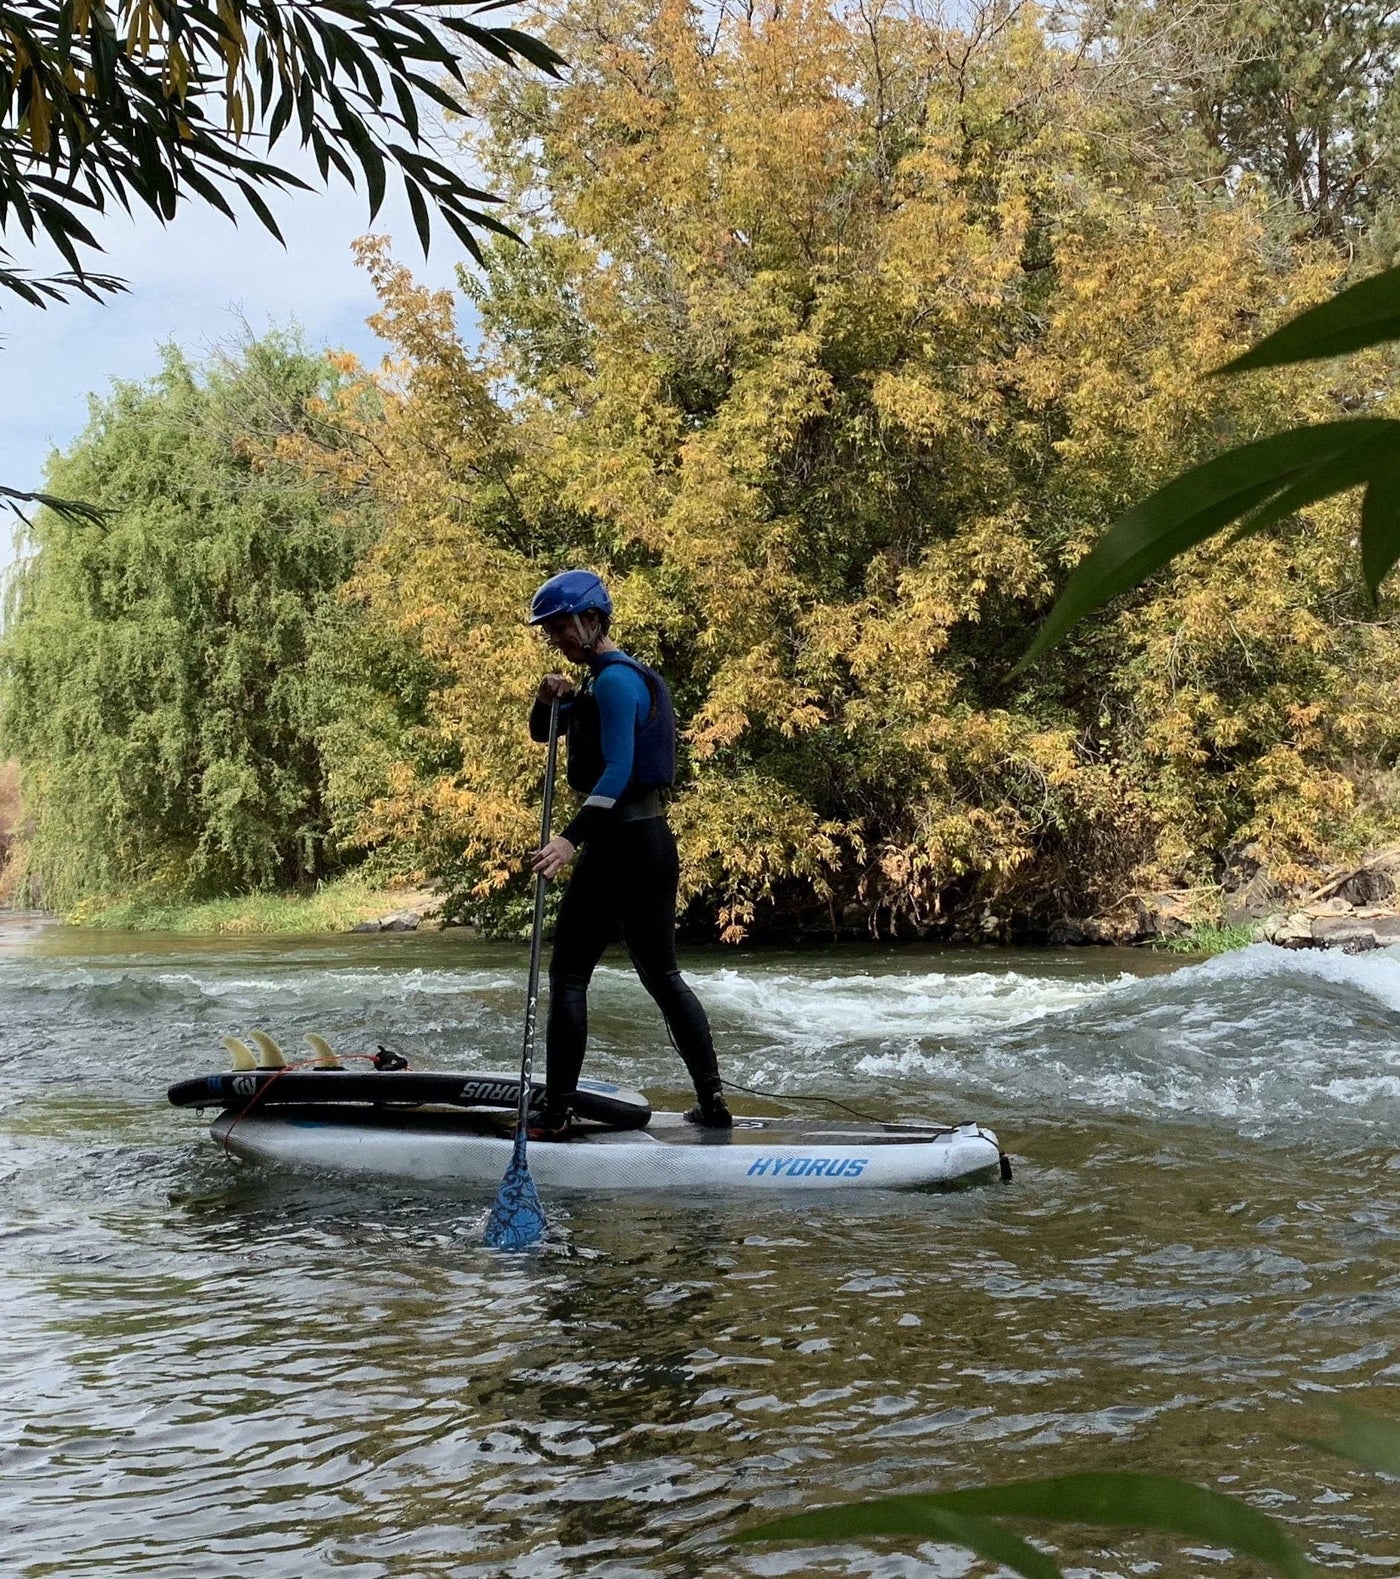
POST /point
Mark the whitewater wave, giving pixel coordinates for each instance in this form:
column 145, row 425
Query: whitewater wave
column 1262, row 1040
column 821, row 1009
column 99, row 989
column 1269, row 1042
column 1375, row 975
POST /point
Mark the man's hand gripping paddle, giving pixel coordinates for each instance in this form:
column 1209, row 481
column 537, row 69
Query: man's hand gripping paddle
column 517, row 1218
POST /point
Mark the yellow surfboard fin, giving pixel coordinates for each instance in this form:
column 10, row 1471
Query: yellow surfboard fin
column 325, row 1053
column 269, row 1053
column 240, row 1052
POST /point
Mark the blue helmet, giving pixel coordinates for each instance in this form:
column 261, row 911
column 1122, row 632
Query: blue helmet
column 570, row 592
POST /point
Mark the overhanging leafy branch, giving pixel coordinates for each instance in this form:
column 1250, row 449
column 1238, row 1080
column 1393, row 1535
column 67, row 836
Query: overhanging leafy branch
column 152, row 102
column 1259, row 484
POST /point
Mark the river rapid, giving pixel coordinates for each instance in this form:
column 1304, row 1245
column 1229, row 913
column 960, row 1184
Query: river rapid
column 210, row 1369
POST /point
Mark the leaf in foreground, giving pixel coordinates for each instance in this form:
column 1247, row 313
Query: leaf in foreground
column 1367, row 1440
column 1120, row 1500
column 1363, row 315
column 1255, row 483
column 912, row 1516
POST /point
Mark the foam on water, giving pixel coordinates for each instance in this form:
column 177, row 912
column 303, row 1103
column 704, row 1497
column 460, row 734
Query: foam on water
column 1264, row 1041
column 100, row 984
column 1268, row 1042
column 814, row 1010
column 1376, row 975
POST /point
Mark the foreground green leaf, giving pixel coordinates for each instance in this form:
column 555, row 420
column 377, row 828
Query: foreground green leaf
column 922, row 1516
column 1363, row 315
column 1367, row 1440
column 1144, row 1502
column 1255, row 483
column 1116, row 1500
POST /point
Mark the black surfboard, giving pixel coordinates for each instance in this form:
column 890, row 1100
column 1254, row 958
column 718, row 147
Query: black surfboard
column 596, row 1100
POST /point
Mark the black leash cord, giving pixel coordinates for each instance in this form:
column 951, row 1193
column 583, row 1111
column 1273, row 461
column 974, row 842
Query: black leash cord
column 786, row 1096
column 793, row 1096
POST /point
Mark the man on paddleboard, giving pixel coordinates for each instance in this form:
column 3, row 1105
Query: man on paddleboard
column 620, row 729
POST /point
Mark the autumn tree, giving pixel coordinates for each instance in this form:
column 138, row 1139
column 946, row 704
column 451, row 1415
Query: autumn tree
column 838, row 338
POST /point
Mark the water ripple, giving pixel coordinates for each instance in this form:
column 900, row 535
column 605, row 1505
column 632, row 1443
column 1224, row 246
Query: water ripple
column 212, row 1370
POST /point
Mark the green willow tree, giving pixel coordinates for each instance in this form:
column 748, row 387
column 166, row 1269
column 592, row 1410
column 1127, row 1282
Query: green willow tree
column 160, row 682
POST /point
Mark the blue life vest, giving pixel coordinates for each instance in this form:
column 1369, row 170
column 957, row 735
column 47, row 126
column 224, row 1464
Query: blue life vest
column 654, row 759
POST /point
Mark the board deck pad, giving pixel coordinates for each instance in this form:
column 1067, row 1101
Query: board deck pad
column 596, row 1101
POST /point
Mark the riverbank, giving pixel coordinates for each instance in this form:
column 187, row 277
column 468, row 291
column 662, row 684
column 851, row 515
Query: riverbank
column 1354, row 908
column 349, row 904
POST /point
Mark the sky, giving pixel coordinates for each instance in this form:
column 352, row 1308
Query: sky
column 196, row 282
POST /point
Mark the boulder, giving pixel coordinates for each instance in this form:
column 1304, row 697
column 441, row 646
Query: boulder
column 1368, row 886
column 1335, row 925
column 1166, row 915
column 395, row 921
column 1248, row 891
column 1290, row 931
column 1336, row 906
column 1333, row 931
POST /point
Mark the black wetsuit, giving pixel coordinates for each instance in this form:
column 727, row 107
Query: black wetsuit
column 625, row 876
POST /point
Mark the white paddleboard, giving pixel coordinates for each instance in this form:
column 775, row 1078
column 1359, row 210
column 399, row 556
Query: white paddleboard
column 759, row 1154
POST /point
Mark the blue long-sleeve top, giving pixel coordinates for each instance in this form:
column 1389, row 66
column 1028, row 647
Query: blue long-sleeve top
column 624, row 702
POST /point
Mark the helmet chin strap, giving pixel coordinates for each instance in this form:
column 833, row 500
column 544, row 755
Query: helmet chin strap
column 588, row 643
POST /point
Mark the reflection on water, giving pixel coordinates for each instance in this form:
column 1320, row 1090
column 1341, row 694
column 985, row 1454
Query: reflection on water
column 218, row 1371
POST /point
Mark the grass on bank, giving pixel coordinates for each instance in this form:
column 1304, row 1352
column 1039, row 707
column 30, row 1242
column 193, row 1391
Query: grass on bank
column 1206, row 938
column 331, row 907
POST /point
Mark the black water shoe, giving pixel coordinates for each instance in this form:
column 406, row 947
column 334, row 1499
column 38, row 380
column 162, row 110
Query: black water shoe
column 551, row 1123
column 710, row 1113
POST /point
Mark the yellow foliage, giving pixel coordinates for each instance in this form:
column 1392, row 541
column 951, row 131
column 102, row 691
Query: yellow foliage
column 837, row 341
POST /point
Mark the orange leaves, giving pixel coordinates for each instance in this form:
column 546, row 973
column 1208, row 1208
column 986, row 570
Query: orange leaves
column 753, row 693
column 745, row 838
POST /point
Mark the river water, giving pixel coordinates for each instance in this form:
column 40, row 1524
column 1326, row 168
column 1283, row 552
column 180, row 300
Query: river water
column 209, row 1369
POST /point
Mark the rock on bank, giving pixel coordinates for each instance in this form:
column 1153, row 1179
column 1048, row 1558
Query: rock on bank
column 1355, row 908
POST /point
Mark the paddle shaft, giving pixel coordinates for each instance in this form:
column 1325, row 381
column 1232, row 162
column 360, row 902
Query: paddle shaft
column 532, row 990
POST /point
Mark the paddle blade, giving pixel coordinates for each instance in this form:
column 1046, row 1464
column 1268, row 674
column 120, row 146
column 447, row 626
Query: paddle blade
column 517, row 1218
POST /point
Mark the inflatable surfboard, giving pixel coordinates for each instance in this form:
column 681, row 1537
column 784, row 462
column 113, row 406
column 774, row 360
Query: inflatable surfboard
column 390, row 1121
column 761, row 1155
